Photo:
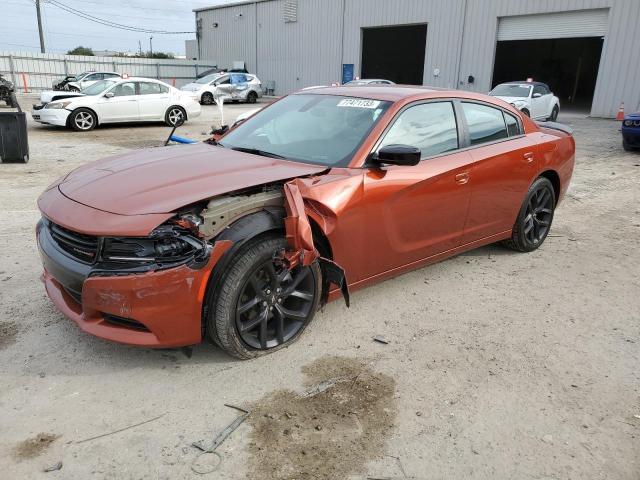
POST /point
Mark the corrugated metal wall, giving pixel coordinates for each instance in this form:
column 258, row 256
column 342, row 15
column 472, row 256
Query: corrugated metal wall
column 461, row 40
column 41, row 69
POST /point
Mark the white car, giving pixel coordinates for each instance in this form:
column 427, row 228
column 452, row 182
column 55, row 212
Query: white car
column 531, row 98
column 120, row 100
column 246, row 88
column 87, row 79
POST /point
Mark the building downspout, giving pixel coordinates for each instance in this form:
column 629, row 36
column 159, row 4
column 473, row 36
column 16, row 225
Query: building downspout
column 464, row 26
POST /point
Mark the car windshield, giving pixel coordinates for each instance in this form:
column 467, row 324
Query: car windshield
column 208, row 78
column 98, row 87
column 316, row 129
column 511, row 90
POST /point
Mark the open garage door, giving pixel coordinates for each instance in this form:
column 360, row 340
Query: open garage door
column 560, row 49
column 382, row 57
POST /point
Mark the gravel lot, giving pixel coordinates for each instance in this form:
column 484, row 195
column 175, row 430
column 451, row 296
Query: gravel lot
column 499, row 365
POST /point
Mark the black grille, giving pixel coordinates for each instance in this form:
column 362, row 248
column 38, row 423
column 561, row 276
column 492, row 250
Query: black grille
column 124, row 322
column 79, row 246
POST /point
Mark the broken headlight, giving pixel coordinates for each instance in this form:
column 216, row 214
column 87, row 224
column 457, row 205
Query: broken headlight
column 167, row 244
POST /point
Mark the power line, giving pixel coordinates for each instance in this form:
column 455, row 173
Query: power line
column 109, row 23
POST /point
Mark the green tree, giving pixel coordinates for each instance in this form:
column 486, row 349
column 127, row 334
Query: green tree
column 81, row 51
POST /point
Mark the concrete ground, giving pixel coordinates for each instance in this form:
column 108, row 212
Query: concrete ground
column 499, row 365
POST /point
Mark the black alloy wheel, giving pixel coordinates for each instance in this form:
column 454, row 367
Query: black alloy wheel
column 274, row 304
column 534, row 220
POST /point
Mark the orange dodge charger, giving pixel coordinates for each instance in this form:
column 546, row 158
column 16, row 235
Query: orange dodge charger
column 241, row 238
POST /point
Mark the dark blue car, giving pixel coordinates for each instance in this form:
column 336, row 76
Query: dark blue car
column 631, row 131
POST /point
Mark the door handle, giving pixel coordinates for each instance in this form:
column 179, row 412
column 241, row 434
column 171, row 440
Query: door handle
column 462, row 178
column 528, row 157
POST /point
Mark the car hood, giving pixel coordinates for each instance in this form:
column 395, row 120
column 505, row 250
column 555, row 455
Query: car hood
column 49, row 95
column 633, row 116
column 161, row 180
column 511, row 99
column 192, row 87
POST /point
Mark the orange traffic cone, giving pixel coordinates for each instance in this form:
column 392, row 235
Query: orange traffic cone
column 620, row 115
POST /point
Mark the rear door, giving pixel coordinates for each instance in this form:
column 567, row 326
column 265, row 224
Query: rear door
column 122, row 107
column 504, row 163
column 153, row 100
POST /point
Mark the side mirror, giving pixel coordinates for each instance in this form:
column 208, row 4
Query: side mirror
column 537, row 95
column 109, row 95
column 398, row 155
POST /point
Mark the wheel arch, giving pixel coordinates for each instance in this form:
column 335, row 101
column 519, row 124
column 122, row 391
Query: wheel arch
column 267, row 221
column 554, row 178
column 85, row 108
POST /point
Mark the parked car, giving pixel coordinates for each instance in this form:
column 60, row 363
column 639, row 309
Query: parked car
column 320, row 193
column 84, row 80
column 631, row 131
column 120, row 100
column 534, row 99
column 248, row 88
column 6, row 89
column 370, row 81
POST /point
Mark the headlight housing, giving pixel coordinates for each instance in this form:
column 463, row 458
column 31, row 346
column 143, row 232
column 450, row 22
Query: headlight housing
column 167, row 245
column 57, row 105
column 631, row 123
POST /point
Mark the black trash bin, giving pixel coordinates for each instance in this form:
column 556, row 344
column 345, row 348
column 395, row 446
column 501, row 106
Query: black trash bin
column 14, row 143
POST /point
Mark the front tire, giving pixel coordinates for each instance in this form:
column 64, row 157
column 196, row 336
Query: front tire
column 83, row 120
column 534, row 219
column 626, row 146
column 260, row 306
column 526, row 112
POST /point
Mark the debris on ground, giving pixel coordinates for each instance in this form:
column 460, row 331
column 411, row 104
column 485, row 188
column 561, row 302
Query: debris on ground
column 121, row 429
column 32, row 447
column 53, row 468
column 380, row 339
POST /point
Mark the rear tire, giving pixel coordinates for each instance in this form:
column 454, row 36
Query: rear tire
column 244, row 319
column 535, row 217
column 554, row 114
column 83, row 120
column 207, row 98
column 173, row 115
column 252, row 97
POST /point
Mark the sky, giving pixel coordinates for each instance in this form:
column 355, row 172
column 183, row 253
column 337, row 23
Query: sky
column 64, row 31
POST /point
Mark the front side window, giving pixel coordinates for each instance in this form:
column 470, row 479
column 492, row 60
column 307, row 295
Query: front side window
column 124, row 89
column 431, row 127
column 486, row 124
column 92, row 78
column 318, row 129
column 540, row 89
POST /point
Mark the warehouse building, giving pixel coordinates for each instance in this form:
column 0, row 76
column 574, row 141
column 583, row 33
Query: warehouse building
column 588, row 51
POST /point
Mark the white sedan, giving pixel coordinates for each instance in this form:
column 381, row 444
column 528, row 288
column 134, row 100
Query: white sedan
column 120, row 100
column 238, row 87
column 531, row 98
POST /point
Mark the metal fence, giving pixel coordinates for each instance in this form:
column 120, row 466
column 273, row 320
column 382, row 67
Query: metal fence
column 37, row 71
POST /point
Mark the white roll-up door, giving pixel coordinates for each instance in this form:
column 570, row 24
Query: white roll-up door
column 581, row 23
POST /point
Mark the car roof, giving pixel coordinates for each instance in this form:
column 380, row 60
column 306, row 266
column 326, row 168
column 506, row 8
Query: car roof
column 391, row 93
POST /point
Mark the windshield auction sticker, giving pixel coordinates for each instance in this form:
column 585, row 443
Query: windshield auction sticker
column 358, row 103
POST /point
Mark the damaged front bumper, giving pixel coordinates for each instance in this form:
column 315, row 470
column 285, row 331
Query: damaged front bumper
column 154, row 308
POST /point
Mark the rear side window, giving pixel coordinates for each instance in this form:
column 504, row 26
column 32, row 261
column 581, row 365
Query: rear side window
column 149, row 88
column 431, row 127
column 486, row 124
column 513, row 126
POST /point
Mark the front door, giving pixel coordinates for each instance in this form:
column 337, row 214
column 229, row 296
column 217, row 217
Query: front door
column 417, row 211
column 122, row 107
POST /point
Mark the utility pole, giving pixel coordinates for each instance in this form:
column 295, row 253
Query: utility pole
column 140, row 47
column 40, row 26
column 151, row 46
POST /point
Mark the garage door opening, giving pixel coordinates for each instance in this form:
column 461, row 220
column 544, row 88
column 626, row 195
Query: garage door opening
column 394, row 53
column 568, row 65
